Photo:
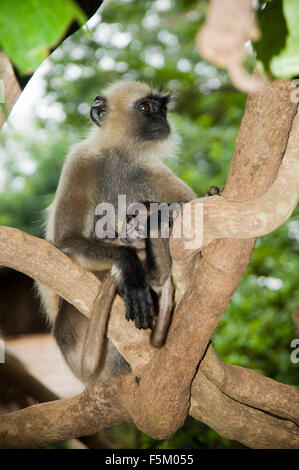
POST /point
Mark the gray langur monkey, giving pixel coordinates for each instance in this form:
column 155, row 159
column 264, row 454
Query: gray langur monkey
column 124, row 155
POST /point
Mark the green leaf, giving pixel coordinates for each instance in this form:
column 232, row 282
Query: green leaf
column 30, row 28
column 278, row 48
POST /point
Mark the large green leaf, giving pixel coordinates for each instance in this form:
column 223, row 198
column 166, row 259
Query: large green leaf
column 278, row 48
column 29, row 28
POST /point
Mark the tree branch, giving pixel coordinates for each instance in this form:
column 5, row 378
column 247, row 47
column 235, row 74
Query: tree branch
column 12, row 89
column 229, row 24
column 43, row 262
column 97, row 407
column 239, row 403
column 205, row 283
column 212, row 277
column 234, row 420
column 250, row 388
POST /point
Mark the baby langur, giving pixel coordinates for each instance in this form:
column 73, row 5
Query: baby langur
column 123, row 155
column 137, row 236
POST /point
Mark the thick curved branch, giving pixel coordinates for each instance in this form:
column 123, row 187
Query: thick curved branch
column 239, row 403
column 242, row 405
column 14, row 373
column 43, row 262
column 229, row 24
column 225, row 218
column 236, row 421
column 159, row 402
column 97, row 407
column 251, row 388
column 212, row 277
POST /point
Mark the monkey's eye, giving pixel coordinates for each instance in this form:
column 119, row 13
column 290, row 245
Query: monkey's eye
column 145, row 107
column 164, row 110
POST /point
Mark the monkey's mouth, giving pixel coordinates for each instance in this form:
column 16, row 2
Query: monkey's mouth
column 157, row 132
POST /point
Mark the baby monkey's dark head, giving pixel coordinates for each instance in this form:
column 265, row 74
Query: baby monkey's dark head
column 132, row 111
column 151, row 116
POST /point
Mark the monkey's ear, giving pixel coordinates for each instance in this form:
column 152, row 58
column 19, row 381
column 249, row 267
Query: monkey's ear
column 99, row 109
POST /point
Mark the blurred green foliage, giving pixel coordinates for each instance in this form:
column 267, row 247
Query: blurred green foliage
column 278, row 48
column 23, row 39
column 153, row 41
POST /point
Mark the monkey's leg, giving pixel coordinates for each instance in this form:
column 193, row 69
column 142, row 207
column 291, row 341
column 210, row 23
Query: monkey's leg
column 95, row 334
column 131, row 277
column 83, row 342
column 69, row 331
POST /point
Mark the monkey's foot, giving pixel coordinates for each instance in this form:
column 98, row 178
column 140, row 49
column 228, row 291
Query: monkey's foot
column 140, row 308
column 213, row 191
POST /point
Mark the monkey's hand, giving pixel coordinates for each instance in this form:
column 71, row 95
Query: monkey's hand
column 134, row 287
column 213, row 191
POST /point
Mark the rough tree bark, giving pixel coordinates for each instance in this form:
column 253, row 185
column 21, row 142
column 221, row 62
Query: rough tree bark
column 238, row 403
column 11, row 89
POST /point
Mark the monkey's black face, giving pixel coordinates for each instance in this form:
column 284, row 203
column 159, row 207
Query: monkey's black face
column 152, row 117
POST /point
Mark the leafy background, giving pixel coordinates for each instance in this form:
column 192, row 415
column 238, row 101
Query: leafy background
column 153, row 41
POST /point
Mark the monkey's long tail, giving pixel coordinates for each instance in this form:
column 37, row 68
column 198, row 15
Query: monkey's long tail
column 162, row 323
column 95, row 336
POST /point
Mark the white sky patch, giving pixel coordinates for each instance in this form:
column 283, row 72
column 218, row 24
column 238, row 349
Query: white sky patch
column 193, row 15
column 151, row 20
column 184, row 65
column 273, row 283
column 11, row 146
column 293, row 230
column 131, row 75
column 92, row 22
column 58, row 54
column 72, row 72
column 213, row 83
column 88, row 72
column 154, row 57
column 204, row 89
column 2, row 92
column 121, row 67
column 78, row 52
column 133, row 28
column 48, row 110
column 22, row 113
column 163, row 5
column 107, row 63
column 121, row 40
column 33, row 102
column 104, row 32
column 26, row 166
column 3, row 178
column 167, row 38
column 205, row 70
column 84, row 109
column 248, row 47
column 18, row 183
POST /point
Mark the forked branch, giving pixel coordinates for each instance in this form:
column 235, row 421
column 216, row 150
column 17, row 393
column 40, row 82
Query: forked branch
column 159, row 402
